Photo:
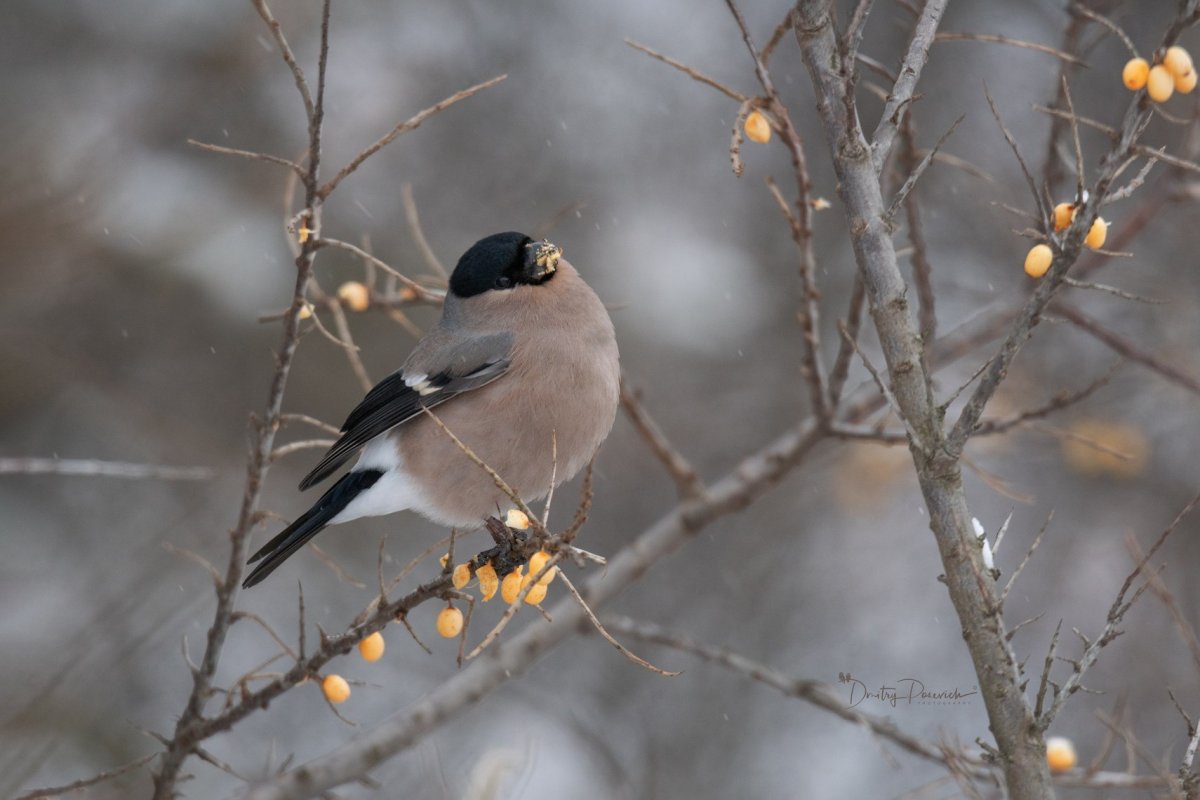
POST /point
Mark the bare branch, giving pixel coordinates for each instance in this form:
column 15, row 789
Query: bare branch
column 54, row 791
column 916, row 172
column 608, row 637
column 233, row 151
column 1083, row 10
column 286, row 51
column 949, row 36
column 94, row 468
column 411, row 123
column 1116, row 613
column 849, row 343
column 814, row 692
column 1126, row 348
column 1039, row 201
column 432, row 296
column 183, row 743
column 694, row 74
column 1060, row 401
column 687, row 482
column 906, row 83
column 418, row 234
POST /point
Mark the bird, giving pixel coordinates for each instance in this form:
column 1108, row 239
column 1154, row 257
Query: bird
column 522, row 368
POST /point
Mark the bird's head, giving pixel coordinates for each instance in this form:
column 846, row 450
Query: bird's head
column 504, row 261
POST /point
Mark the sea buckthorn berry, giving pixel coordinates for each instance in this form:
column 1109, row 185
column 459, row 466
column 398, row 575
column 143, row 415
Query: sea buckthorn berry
column 757, row 128
column 536, row 594
column 306, row 311
column 489, row 581
column 1097, row 235
column 449, row 622
column 1038, row 260
column 537, row 561
column 1177, row 61
column 1185, row 83
column 511, row 586
column 1064, row 213
column 355, row 295
column 1060, row 754
column 1160, row 85
column 336, row 689
column 461, row 576
column 371, row 648
column 1135, row 73
column 516, row 519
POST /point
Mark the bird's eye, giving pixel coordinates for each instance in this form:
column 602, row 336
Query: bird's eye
column 503, row 282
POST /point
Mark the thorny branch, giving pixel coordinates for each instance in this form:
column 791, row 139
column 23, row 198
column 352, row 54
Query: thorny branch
column 192, row 726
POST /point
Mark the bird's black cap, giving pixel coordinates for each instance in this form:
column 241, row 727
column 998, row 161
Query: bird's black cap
column 502, row 261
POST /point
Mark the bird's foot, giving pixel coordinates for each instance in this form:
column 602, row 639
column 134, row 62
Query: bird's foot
column 511, row 547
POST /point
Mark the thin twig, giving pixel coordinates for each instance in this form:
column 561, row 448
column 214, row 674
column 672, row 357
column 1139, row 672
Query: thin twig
column 409, row 124
column 233, row 151
column 687, row 481
column 841, row 363
column 417, row 233
column 1116, row 613
column 423, row 294
column 954, row 36
column 924, row 33
column 95, row 468
column 608, row 637
column 689, row 71
column 1126, row 348
column 1063, row 399
column 289, row 58
column 916, row 172
column 54, row 791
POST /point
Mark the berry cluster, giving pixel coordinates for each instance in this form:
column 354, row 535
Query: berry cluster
column 1175, row 73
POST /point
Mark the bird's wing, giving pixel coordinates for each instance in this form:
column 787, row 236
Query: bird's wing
column 441, row 367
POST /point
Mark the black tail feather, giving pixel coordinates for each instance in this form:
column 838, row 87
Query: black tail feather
column 310, row 523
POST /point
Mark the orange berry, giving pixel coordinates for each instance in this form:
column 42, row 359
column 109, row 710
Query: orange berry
column 516, row 519
column 536, row 594
column 1177, row 61
column 336, row 689
column 1135, row 73
column 1097, row 235
column 757, row 128
column 306, row 311
column 1064, row 213
column 1185, row 83
column 1160, row 85
column 489, row 581
column 371, row 648
column 354, row 295
column 1060, row 754
column 1039, row 260
column 537, row 561
column 449, row 622
column 461, row 576
column 511, row 586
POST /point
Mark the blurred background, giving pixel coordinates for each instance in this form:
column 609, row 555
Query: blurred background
column 135, row 269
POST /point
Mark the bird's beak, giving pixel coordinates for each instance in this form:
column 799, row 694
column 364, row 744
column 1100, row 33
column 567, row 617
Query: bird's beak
column 541, row 260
